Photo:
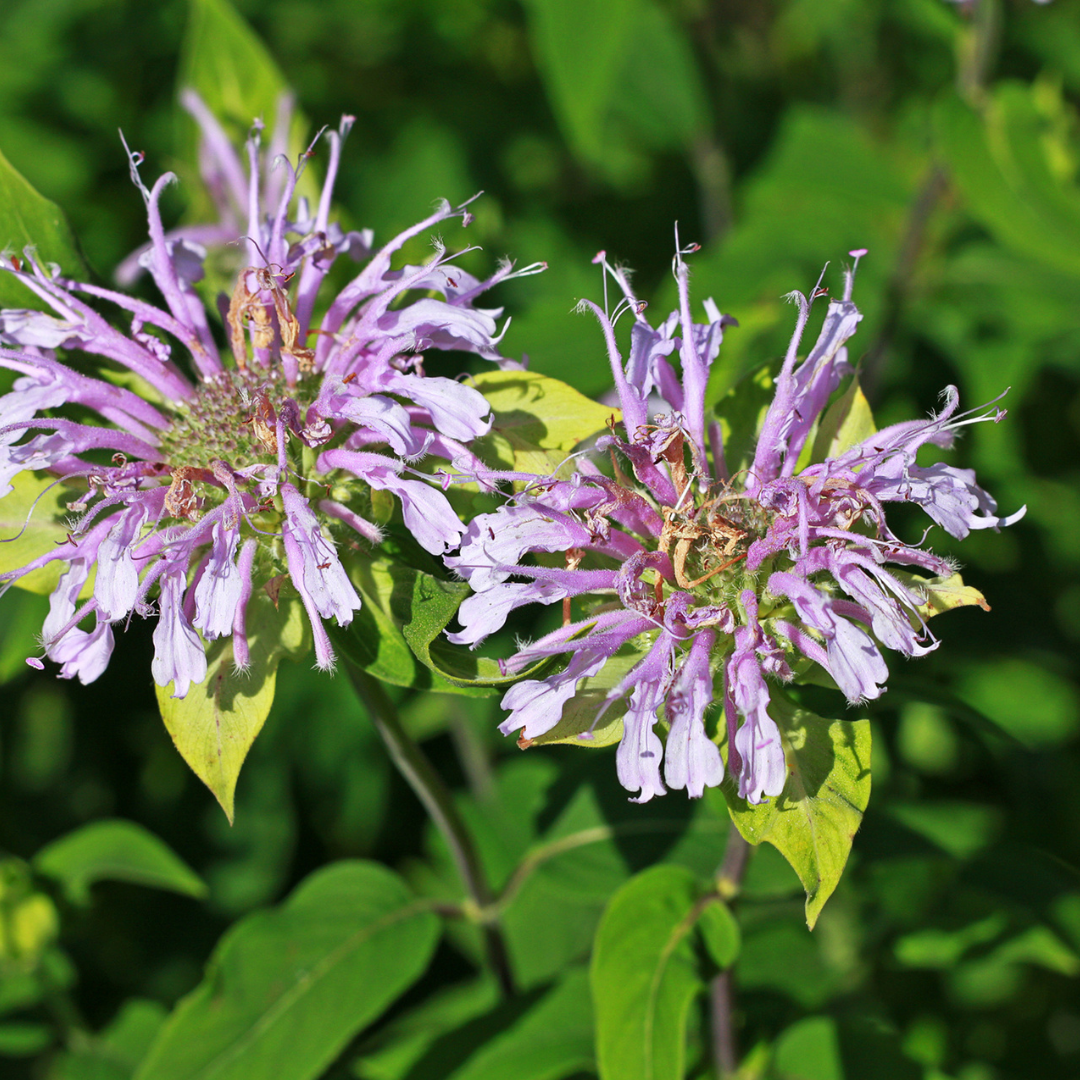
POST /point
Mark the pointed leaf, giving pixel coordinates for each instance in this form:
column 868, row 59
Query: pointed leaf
column 943, row 593
column 553, row 1040
column 214, row 726
column 644, row 976
column 846, row 422
column 115, row 851
column 226, row 63
column 537, row 420
column 286, row 989
column 28, row 218
column 814, row 819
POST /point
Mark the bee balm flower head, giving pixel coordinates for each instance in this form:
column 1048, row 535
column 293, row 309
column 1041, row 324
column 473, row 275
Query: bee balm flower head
column 223, row 460
column 713, row 587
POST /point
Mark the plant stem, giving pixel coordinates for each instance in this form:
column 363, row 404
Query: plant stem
column 437, row 800
column 722, row 989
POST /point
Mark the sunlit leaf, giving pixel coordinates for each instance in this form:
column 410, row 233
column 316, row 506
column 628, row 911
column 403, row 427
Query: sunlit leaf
column 942, row 593
column 814, row 819
column 214, row 725
column 287, row 988
column 537, row 420
column 28, row 218
column 115, row 850
column 846, row 422
column 34, row 520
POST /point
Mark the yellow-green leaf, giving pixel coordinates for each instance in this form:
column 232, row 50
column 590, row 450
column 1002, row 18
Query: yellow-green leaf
column 537, row 420
column 846, row 422
column 814, row 819
column 942, row 593
column 214, row 726
column 33, row 520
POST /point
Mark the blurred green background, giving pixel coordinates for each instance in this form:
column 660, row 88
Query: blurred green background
column 780, row 134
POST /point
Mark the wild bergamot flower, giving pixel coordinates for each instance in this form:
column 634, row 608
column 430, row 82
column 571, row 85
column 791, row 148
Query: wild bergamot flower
column 200, row 472
column 712, row 586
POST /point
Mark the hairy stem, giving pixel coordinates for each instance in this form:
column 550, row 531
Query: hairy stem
column 433, row 793
column 722, row 989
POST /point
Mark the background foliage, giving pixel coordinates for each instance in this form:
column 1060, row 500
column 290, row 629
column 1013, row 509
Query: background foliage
column 781, row 133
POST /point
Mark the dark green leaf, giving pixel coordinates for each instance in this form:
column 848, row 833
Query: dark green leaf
column 395, row 1049
column 644, row 976
column 999, row 164
column 27, row 218
column 554, row 1039
column 23, row 1039
column 115, row 851
column 287, row 988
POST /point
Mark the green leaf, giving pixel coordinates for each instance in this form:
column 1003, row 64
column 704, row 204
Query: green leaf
column 286, row 989
column 33, row 521
column 618, row 74
column 942, row 949
column 226, row 63
column 115, row 1053
column 22, row 1039
column 537, row 420
column 720, row 934
column 28, row 218
column 814, row 819
column 554, row 1039
column 580, row 48
column 846, row 422
column 644, row 976
column 999, row 162
column 394, row 1050
column 579, row 713
column 740, row 407
column 115, row 850
column 214, row 726
column 1031, row 701
column 24, row 614
column 383, row 641
column 808, row 1050
column 404, row 614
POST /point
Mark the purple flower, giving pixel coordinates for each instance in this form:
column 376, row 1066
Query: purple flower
column 231, row 468
column 709, row 587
